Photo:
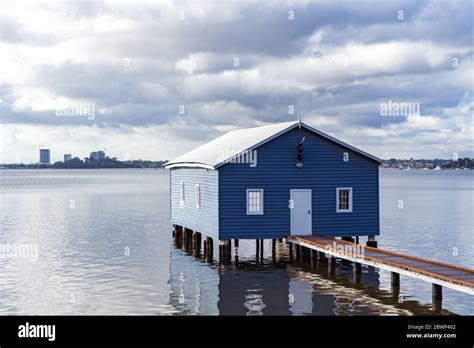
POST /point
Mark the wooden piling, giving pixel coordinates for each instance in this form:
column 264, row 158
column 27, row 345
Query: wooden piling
column 196, row 243
column 257, row 249
column 290, row 249
column 183, row 236
column 395, row 284
column 351, row 240
column 186, row 238
column 371, row 242
column 209, row 249
column 313, row 254
column 357, row 274
column 332, row 266
column 228, row 251
column 178, row 234
column 221, row 251
column 305, row 254
column 437, row 297
column 224, row 251
column 236, row 250
column 190, row 239
column 274, row 249
column 323, row 258
column 357, row 268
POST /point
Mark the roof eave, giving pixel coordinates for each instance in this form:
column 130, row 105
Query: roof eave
column 189, row 165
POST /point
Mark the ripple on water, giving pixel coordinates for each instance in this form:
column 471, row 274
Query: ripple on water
column 112, row 253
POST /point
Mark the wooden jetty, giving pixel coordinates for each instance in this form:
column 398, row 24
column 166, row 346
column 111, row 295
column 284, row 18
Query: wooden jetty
column 438, row 273
column 328, row 249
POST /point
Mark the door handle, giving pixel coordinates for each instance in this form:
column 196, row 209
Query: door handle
column 308, row 212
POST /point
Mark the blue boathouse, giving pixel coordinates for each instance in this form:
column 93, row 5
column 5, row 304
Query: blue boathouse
column 273, row 181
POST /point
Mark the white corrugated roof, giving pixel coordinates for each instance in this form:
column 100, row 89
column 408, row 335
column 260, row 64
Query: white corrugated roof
column 220, row 150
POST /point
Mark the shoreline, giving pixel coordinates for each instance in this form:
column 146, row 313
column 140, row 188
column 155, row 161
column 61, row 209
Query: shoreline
column 398, row 169
column 43, row 168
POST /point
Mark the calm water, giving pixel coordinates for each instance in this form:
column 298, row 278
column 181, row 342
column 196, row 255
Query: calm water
column 104, row 246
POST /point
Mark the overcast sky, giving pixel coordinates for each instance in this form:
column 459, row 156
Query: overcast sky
column 165, row 77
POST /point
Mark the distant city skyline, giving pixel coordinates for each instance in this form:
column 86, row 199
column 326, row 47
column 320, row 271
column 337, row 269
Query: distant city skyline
column 101, row 155
column 155, row 81
column 59, row 155
column 44, row 157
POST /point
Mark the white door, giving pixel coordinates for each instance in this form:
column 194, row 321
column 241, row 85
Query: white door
column 301, row 213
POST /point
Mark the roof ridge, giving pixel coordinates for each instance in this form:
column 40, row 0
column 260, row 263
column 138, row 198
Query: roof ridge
column 259, row 127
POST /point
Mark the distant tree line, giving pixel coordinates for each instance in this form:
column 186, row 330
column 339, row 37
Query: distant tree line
column 91, row 163
column 460, row 163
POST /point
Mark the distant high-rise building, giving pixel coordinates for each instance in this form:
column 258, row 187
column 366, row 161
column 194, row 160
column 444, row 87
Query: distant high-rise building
column 67, row 157
column 45, row 156
column 98, row 155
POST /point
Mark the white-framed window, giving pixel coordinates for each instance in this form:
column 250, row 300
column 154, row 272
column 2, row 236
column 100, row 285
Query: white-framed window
column 344, row 199
column 254, row 201
column 198, row 196
column 182, row 195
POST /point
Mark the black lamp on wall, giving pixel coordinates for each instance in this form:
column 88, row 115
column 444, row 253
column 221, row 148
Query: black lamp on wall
column 299, row 154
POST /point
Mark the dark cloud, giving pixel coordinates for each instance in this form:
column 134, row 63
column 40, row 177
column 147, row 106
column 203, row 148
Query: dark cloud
column 139, row 63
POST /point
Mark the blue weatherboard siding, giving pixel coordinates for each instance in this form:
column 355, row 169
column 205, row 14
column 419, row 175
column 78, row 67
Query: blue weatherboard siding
column 276, row 173
column 204, row 219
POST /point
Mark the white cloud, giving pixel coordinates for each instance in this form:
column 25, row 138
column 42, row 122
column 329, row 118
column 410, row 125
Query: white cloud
column 335, row 62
